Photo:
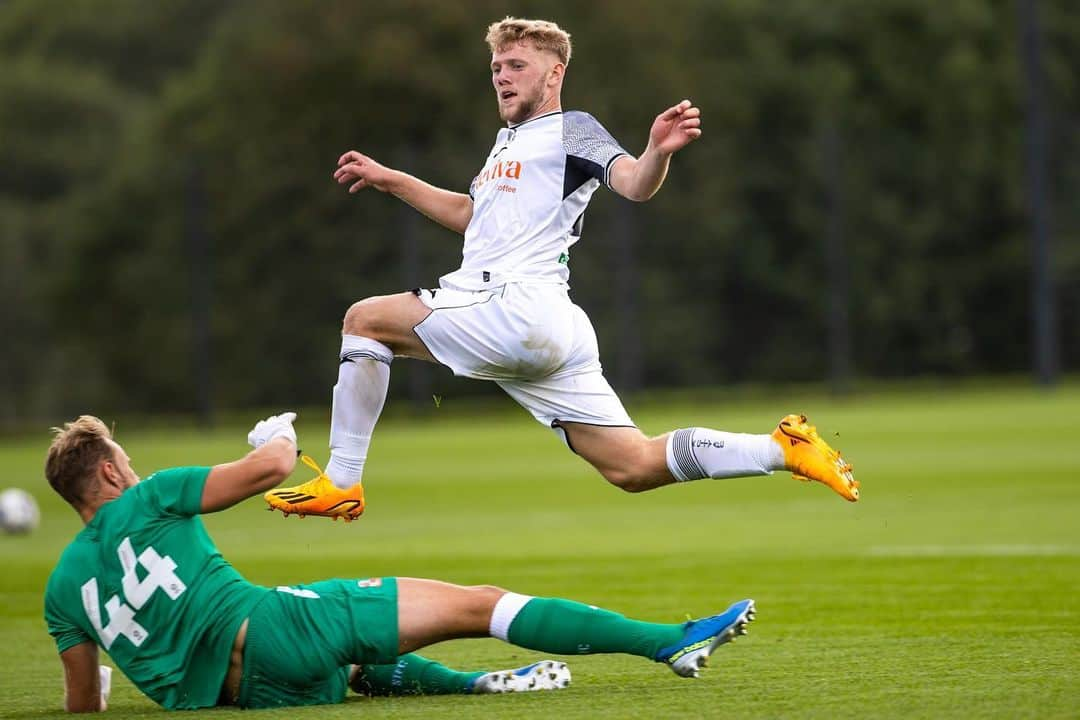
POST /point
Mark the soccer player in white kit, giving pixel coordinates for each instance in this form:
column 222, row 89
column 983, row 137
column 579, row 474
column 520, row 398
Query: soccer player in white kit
column 505, row 315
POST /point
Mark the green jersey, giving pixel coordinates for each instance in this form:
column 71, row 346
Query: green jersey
column 144, row 581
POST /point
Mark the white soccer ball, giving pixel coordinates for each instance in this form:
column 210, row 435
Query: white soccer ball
column 18, row 511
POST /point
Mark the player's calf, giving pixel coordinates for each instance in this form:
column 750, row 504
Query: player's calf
column 624, row 456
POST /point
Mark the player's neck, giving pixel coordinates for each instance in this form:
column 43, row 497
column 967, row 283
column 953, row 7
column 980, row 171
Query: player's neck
column 548, row 106
column 87, row 512
column 90, row 508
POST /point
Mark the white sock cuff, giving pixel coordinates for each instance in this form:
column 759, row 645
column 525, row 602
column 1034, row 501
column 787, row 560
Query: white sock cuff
column 681, row 461
column 506, row 609
column 355, row 347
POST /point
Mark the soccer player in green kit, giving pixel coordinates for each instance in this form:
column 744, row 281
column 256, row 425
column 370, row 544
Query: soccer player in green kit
column 144, row 581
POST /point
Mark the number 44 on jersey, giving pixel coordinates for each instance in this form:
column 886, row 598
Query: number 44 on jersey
column 159, row 575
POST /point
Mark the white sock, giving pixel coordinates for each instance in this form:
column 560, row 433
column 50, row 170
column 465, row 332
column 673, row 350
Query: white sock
column 695, row 453
column 506, row 609
column 363, row 378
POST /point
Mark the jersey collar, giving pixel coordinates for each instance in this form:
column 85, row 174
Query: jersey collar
column 534, row 119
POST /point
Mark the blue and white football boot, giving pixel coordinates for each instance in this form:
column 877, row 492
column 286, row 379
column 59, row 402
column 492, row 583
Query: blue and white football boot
column 543, row 675
column 701, row 637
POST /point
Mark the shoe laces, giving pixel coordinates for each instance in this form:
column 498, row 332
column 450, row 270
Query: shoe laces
column 307, row 460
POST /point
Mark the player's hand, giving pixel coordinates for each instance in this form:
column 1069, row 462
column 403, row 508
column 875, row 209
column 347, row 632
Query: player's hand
column 361, row 171
column 675, row 128
column 272, row 427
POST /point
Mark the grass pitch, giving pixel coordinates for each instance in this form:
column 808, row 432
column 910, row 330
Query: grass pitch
column 950, row 590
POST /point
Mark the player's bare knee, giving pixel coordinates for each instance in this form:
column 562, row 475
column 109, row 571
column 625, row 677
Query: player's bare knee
column 482, row 601
column 487, row 595
column 361, row 319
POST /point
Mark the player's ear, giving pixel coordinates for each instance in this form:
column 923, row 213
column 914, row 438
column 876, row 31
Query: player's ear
column 555, row 75
column 110, row 474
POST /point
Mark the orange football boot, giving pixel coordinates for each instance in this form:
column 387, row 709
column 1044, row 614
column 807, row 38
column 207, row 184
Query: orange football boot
column 318, row 496
column 808, row 457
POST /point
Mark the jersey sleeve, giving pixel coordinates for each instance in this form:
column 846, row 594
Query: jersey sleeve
column 65, row 632
column 590, row 148
column 176, row 491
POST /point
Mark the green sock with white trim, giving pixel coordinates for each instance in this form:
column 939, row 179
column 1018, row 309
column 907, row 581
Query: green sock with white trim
column 571, row 628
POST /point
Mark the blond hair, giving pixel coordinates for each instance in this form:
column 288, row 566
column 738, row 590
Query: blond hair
column 542, row 34
column 76, row 451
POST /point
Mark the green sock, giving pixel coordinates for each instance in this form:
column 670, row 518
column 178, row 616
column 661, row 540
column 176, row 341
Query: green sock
column 571, row 628
column 412, row 675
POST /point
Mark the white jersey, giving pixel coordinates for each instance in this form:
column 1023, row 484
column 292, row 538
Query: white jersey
column 530, row 198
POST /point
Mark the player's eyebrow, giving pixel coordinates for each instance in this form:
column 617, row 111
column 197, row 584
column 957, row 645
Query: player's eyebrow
column 508, row 61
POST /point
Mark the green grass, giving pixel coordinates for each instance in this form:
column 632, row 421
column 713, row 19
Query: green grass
column 951, row 590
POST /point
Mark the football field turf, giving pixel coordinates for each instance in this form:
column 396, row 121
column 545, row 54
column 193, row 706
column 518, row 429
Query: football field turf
column 951, row 590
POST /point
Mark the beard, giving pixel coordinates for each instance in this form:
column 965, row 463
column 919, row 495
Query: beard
column 524, row 109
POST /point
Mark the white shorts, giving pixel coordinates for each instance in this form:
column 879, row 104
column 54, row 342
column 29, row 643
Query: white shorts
column 530, row 339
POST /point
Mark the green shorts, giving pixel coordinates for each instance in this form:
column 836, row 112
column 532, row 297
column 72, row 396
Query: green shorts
column 301, row 640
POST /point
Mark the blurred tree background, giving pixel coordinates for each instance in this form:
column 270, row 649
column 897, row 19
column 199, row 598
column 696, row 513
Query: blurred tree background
column 171, row 240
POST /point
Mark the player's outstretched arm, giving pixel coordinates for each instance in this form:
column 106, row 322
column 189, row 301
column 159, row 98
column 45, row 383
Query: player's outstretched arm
column 82, row 679
column 450, row 209
column 675, row 128
column 264, row 467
